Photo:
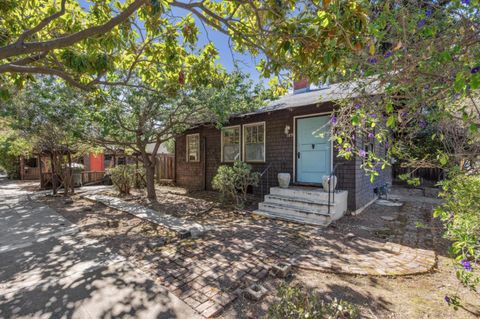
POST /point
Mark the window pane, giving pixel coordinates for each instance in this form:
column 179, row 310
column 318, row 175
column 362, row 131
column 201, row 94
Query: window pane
column 192, row 147
column 255, row 152
column 254, row 143
column 231, row 144
column 231, row 152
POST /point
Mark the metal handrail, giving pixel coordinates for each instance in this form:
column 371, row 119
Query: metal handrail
column 265, row 171
column 332, row 173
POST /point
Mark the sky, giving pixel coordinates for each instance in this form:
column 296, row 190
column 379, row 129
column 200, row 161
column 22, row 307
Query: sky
column 227, row 58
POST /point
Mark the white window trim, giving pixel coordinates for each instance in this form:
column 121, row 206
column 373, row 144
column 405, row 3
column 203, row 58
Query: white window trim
column 239, row 144
column 187, row 148
column 244, row 140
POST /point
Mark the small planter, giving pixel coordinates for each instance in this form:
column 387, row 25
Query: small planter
column 283, row 179
column 281, row 270
column 255, row 292
column 184, row 234
column 333, row 182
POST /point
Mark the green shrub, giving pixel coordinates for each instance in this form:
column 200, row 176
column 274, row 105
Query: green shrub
column 461, row 215
column 295, row 304
column 124, row 177
column 233, row 181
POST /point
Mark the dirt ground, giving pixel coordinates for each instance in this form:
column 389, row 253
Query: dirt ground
column 123, row 233
column 419, row 296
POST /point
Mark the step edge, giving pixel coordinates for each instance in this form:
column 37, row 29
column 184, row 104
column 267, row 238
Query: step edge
column 302, row 200
column 300, row 210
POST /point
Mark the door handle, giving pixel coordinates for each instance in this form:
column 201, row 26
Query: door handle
column 298, row 154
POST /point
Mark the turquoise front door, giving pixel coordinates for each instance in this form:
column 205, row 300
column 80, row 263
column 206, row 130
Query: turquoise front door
column 313, row 149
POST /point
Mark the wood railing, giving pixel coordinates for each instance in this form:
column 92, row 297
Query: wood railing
column 92, row 177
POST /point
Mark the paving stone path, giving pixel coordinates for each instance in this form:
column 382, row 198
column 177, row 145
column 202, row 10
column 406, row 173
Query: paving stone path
column 171, row 222
column 208, row 273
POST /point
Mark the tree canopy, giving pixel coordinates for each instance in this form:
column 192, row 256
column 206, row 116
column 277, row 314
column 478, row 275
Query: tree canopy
column 93, row 43
column 423, row 57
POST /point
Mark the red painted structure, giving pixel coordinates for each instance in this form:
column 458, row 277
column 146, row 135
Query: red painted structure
column 97, row 162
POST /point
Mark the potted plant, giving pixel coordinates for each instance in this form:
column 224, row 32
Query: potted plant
column 329, row 179
column 283, row 179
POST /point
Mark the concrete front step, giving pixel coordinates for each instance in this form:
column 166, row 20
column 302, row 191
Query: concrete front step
column 310, row 194
column 304, row 205
column 291, row 212
column 319, row 206
column 320, row 221
column 294, row 207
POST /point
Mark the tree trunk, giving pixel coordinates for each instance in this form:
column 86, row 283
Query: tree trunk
column 54, row 173
column 22, row 168
column 150, row 179
column 70, row 173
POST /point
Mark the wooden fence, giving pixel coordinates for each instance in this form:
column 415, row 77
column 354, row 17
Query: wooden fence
column 88, row 178
column 31, row 173
column 165, row 168
column 427, row 174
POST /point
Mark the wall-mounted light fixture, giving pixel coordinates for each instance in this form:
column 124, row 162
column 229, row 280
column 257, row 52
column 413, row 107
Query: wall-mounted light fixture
column 287, row 131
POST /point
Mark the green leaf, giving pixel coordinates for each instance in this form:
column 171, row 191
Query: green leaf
column 391, row 121
column 355, row 120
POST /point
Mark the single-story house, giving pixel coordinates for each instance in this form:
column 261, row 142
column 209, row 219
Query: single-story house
column 283, row 138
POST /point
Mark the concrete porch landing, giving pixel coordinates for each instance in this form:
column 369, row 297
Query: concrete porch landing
column 304, row 205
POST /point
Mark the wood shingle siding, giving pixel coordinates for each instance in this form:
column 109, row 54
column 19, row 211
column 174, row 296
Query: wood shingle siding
column 278, row 152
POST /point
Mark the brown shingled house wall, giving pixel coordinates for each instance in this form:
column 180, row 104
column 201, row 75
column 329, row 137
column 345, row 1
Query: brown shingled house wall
column 278, row 150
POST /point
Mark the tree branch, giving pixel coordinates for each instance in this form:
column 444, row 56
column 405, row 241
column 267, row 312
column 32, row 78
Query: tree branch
column 16, row 48
column 43, row 70
column 42, row 24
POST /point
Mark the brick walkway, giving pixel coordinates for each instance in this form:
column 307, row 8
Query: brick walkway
column 169, row 221
column 207, row 273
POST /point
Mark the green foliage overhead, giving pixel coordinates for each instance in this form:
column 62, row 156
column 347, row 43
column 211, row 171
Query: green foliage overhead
column 106, row 42
column 417, row 93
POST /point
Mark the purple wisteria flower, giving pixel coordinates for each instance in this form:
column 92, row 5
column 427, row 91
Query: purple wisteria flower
column 387, row 145
column 372, row 60
column 388, row 54
column 422, row 124
column 467, row 265
column 447, row 299
column 403, row 114
column 362, row 153
column 373, row 116
column 428, row 12
column 333, row 120
column 371, row 135
column 421, row 23
column 357, row 106
column 466, row 2
column 349, row 149
column 475, row 70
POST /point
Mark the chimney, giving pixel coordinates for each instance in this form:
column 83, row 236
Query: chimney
column 300, row 86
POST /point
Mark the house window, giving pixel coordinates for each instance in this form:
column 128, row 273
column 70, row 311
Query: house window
column 254, row 142
column 230, row 144
column 193, row 148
